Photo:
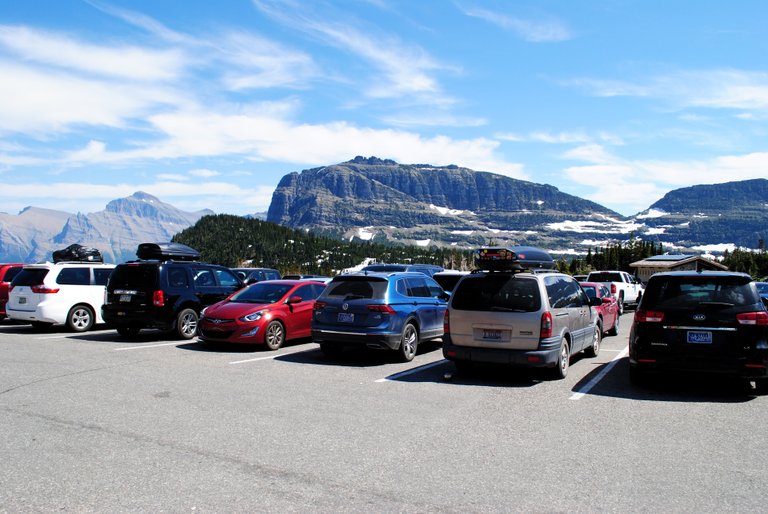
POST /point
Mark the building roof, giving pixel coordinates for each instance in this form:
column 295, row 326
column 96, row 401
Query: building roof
column 673, row 261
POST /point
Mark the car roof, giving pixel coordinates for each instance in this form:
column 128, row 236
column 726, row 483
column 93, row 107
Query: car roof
column 707, row 273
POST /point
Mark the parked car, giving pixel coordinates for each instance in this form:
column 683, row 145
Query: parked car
column 504, row 313
column 320, row 278
column 252, row 275
column 427, row 269
column 391, row 311
column 608, row 312
column 266, row 313
column 710, row 322
column 7, row 272
column 68, row 293
column 762, row 289
column 165, row 293
column 627, row 289
column 448, row 278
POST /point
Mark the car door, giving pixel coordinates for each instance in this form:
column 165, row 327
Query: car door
column 300, row 313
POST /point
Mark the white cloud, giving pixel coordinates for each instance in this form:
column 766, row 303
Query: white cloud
column 202, row 172
column 534, row 31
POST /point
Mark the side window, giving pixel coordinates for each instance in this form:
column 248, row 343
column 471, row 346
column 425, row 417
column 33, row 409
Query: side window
column 435, row 291
column 101, row 276
column 306, row 292
column 557, row 292
column 401, row 287
column 204, row 278
column 227, row 278
column 74, row 276
column 317, row 290
column 417, row 287
column 576, row 296
column 177, row 277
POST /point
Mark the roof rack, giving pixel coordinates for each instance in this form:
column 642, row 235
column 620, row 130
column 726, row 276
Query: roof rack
column 514, row 259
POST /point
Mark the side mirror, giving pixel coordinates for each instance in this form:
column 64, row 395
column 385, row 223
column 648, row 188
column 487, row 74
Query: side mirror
column 295, row 299
column 607, row 299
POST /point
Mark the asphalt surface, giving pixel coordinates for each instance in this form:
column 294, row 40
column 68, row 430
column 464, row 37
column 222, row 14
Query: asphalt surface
column 98, row 423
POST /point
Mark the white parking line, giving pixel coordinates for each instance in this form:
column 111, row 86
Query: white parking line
column 411, row 371
column 146, row 346
column 273, row 356
column 59, row 336
column 592, row 383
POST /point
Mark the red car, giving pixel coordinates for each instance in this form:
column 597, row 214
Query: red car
column 265, row 313
column 608, row 312
column 7, row 272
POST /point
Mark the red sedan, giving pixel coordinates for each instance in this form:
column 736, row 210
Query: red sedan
column 7, row 272
column 265, row 313
column 608, row 312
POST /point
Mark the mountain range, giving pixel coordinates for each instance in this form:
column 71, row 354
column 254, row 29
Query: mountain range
column 34, row 233
column 382, row 201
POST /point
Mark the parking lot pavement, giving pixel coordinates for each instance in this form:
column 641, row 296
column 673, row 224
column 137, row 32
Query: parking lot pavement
column 96, row 422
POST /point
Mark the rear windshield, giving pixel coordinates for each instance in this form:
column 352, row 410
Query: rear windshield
column 689, row 292
column 352, row 288
column 604, row 277
column 11, row 273
column 134, row 276
column 30, row 277
column 385, row 267
column 497, row 292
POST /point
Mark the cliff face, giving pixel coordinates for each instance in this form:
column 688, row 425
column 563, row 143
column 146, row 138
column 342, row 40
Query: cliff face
column 420, row 202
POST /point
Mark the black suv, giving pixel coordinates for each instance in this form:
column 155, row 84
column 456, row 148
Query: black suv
column 164, row 293
column 712, row 322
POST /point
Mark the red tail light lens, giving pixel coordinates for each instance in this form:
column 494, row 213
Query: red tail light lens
column 644, row 316
column 446, row 322
column 613, row 289
column 319, row 306
column 376, row 307
column 759, row 318
column 546, row 325
column 44, row 290
column 158, row 298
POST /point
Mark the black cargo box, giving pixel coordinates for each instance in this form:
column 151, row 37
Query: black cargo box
column 514, row 258
column 77, row 253
column 167, row 252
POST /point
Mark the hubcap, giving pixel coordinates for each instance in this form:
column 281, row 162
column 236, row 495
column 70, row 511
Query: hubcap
column 81, row 319
column 409, row 341
column 189, row 324
column 274, row 335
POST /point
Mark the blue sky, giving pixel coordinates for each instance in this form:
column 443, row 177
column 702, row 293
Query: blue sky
column 208, row 104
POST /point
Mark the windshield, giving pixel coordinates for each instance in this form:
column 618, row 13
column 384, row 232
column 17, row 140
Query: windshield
column 262, row 292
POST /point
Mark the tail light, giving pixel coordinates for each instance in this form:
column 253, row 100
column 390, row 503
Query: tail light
column 759, row 318
column 158, row 298
column 319, row 306
column 44, row 290
column 546, row 325
column 446, row 322
column 644, row 316
column 377, row 307
column 613, row 289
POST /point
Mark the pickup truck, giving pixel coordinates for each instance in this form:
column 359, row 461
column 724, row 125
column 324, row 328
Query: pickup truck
column 626, row 288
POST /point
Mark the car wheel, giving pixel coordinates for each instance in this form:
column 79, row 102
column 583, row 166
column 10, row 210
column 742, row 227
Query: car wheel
column 614, row 331
column 597, row 337
column 761, row 386
column 80, row 318
column 331, row 349
column 563, row 361
column 274, row 336
column 621, row 303
column 409, row 342
column 127, row 330
column 186, row 324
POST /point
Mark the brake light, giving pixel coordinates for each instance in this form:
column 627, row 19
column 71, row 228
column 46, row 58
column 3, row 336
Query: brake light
column 613, row 288
column 546, row 325
column 644, row 316
column 377, row 307
column 446, row 322
column 44, row 290
column 759, row 318
column 158, row 298
column 319, row 306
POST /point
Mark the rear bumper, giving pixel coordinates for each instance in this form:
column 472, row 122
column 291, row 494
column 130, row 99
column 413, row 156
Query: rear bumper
column 378, row 340
column 143, row 318
column 544, row 357
column 738, row 367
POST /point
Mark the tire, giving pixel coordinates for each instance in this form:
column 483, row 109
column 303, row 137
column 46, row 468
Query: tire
column 614, row 331
column 560, row 371
column 597, row 338
column 621, row 303
column 186, row 324
column 638, row 378
column 127, row 330
column 409, row 343
column 274, row 335
column 80, row 318
column 331, row 349
column 761, row 386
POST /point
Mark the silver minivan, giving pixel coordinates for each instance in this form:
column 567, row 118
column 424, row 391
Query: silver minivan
column 514, row 311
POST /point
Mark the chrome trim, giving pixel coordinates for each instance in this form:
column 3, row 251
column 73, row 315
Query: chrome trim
column 711, row 329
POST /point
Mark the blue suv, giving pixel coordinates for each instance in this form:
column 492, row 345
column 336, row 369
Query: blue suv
column 388, row 311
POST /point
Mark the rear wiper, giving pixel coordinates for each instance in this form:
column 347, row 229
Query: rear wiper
column 354, row 297
column 722, row 305
column 507, row 309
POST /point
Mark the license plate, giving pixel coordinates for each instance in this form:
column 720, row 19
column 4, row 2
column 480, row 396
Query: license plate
column 22, row 300
column 493, row 335
column 125, row 298
column 699, row 337
column 346, row 317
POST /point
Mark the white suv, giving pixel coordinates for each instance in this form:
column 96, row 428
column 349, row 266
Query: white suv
column 69, row 293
